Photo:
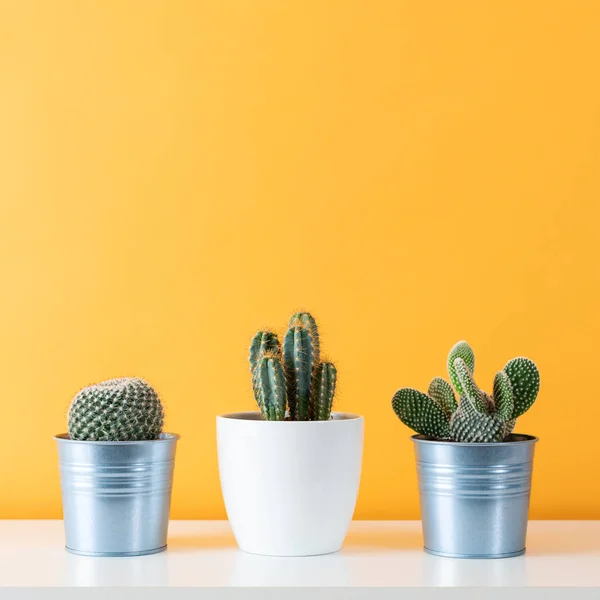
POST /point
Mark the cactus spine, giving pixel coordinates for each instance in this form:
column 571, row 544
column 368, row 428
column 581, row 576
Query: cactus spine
column 309, row 384
column 477, row 417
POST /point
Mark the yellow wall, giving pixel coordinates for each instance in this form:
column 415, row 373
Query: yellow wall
column 176, row 174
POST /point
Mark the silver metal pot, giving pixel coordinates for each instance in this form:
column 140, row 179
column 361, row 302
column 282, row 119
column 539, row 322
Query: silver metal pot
column 116, row 495
column 475, row 497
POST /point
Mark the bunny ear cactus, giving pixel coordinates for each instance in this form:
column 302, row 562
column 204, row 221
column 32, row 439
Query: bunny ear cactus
column 477, row 417
column 309, row 385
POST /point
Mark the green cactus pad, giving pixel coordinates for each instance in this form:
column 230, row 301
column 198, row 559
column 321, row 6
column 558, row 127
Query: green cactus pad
column 300, row 363
column 503, row 396
column 441, row 392
column 323, row 390
column 468, row 425
column 422, row 414
column 464, row 351
column 117, row 410
column 263, row 341
column 269, row 382
column 509, row 427
column 471, row 391
column 525, row 380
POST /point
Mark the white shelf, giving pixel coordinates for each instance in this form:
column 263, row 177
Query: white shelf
column 380, row 559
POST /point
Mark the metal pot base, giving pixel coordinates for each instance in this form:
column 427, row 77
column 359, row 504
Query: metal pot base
column 116, row 554
column 475, row 556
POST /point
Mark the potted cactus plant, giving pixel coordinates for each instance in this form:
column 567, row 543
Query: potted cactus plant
column 290, row 472
column 116, row 470
column 474, row 473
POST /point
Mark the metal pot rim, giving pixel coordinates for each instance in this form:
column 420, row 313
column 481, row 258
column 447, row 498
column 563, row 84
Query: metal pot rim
column 164, row 437
column 522, row 439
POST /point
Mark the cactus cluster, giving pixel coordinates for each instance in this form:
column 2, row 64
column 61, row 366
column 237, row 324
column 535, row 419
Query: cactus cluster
column 117, row 410
column 291, row 382
column 477, row 416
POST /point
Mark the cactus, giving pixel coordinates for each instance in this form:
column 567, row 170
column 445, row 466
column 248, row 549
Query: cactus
column 118, row 410
column 477, row 417
column 263, row 341
column 525, row 380
column 460, row 350
column 269, row 383
column 309, row 384
column 442, row 393
column 323, row 390
column 469, row 425
column 421, row 413
column 301, row 358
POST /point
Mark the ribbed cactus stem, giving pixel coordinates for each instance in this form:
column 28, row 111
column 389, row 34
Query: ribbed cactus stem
column 269, row 383
column 323, row 390
column 263, row 341
column 300, row 355
column 117, row 410
column 304, row 319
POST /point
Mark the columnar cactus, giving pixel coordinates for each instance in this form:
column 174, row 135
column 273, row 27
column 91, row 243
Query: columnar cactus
column 477, row 417
column 269, row 386
column 323, row 390
column 309, row 384
column 300, row 358
column 117, row 410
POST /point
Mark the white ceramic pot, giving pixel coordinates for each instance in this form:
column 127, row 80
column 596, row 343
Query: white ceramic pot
column 289, row 487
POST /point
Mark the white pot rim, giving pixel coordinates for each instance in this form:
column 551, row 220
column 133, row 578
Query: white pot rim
column 255, row 417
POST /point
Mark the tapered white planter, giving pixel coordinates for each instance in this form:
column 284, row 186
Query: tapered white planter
column 289, row 487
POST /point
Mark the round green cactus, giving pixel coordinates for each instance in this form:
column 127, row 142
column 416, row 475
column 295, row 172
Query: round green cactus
column 117, row 410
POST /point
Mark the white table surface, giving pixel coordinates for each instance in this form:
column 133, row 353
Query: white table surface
column 377, row 557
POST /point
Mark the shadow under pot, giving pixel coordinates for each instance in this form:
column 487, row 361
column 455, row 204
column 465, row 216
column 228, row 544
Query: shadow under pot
column 289, row 487
column 116, row 495
column 475, row 497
